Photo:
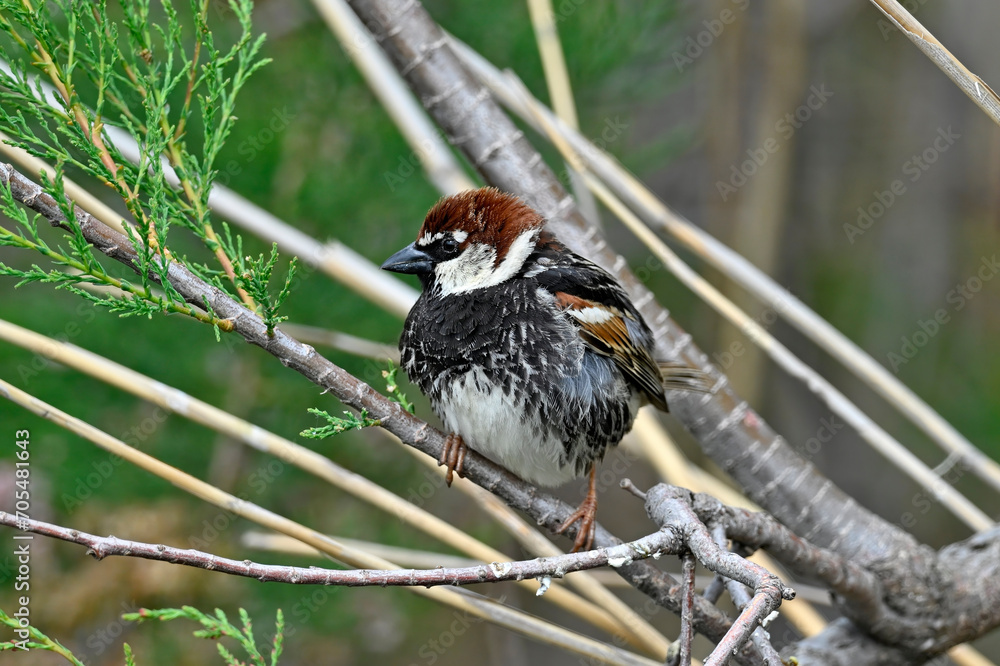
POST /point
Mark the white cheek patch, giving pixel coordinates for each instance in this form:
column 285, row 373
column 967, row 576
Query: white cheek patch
column 516, row 256
column 473, row 269
column 594, row 315
column 469, row 270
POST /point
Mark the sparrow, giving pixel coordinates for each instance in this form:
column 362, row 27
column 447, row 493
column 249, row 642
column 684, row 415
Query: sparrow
column 530, row 354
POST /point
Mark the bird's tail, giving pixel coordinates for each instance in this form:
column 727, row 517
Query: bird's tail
column 680, row 377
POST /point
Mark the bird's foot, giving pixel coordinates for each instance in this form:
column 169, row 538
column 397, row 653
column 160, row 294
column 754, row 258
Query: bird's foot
column 587, row 515
column 453, row 456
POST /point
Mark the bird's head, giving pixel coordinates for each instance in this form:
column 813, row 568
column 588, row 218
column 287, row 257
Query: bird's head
column 470, row 240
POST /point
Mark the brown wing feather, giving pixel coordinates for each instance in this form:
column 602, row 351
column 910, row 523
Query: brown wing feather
column 603, row 329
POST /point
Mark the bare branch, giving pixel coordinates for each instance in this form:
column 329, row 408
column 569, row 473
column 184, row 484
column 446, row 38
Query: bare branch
column 740, row 596
column 858, row 592
column 671, row 507
column 687, row 610
column 653, row 545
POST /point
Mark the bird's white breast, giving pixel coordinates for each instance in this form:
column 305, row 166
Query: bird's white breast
column 497, row 426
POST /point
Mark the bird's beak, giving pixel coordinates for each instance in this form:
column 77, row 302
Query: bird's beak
column 409, row 260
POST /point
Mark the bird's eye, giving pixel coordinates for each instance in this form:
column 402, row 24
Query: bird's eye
column 449, row 245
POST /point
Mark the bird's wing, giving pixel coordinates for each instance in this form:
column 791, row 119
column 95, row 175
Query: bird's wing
column 609, row 323
column 603, row 328
column 604, row 316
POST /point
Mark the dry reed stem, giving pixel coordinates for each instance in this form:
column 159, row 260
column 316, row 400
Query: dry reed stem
column 973, row 86
column 436, row 157
column 560, row 92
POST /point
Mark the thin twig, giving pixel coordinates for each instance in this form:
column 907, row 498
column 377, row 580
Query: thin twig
column 741, row 598
column 687, row 607
column 653, row 545
column 715, row 589
column 671, row 507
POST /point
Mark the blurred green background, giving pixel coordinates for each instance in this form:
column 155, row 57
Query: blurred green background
column 698, row 95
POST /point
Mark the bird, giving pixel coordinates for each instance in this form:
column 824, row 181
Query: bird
column 530, row 354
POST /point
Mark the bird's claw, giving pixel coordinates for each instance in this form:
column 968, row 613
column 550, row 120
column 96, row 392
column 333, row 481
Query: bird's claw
column 453, row 456
column 586, row 514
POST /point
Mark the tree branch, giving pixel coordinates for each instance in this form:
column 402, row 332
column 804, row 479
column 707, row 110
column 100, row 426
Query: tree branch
column 738, row 593
column 653, row 545
column 857, row 590
column 671, row 507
